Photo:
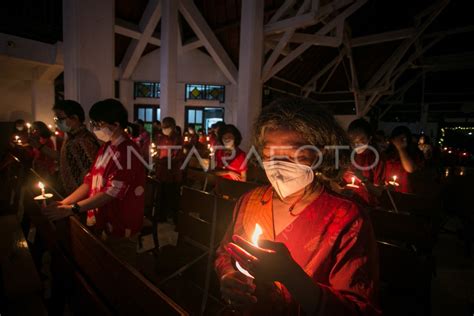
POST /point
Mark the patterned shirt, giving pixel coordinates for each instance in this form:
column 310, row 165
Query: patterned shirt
column 76, row 157
column 332, row 240
column 119, row 173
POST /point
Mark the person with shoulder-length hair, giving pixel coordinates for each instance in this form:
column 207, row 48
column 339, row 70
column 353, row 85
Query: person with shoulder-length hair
column 230, row 159
column 317, row 252
column 43, row 164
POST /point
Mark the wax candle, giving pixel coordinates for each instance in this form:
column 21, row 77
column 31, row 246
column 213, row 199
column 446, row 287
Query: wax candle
column 186, row 138
column 28, row 126
column 207, row 138
column 352, row 184
column 255, row 236
column 394, row 181
column 41, row 186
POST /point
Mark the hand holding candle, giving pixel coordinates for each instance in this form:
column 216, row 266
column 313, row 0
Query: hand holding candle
column 352, row 184
column 43, row 196
column 268, row 261
column 394, row 181
column 256, row 235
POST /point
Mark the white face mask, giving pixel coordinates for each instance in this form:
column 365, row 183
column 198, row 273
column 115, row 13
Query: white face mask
column 229, row 144
column 288, row 177
column 20, row 128
column 166, row 131
column 360, row 148
column 63, row 126
column 104, row 134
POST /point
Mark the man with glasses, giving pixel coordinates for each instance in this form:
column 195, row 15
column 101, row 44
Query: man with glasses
column 80, row 148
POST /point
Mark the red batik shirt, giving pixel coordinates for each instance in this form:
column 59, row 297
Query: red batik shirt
column 110, row 174
column 332, row 240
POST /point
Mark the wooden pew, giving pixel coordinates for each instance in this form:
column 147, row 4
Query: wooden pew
column 405, row 281
column 121, row 286
column 233, row 189
column 20, row 281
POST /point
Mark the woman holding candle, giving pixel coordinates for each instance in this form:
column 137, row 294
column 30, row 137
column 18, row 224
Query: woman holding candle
column 317, row 250
column 230, row 160
column 401, row 159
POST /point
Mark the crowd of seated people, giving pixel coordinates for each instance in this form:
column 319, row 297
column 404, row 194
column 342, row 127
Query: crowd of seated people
column 317, row 251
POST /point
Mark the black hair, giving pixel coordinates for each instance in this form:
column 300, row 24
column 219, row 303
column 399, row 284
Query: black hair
column 70, row 108
column 178, row 130
column 42, row 129
column 392, row 152
column 168, row 122
column 157, row 122
column 140, row 122
column 20, row 121
column 360, row 125
column 220, row 124
column 110, row 111
column 230, row 129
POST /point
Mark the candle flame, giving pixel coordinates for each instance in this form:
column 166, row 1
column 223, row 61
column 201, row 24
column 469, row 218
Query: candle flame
column 207, row 138
column 28, row 125
column 17, row 137
column 255, row 236
column 394, row 178
column 41, row 185
column 353, row 180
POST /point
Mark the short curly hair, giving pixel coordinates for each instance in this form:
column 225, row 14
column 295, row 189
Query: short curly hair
column 315, row 125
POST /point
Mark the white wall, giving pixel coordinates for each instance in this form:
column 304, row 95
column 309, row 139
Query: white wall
column 193, row 67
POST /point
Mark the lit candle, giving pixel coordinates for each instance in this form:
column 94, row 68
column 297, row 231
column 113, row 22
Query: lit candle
column 17, row 138
column 56, row 133
column 209, row 146
column 50, row 126
column 446, row 172
column 186, row 138
column 394, row 181
column 19, row 142
column 256, row 235
column 41, row 186
column 207, row 138
column 153, row 145
column 28, row 126
column 352, row 185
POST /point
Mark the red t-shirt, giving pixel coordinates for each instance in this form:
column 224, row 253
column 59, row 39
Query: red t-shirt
column 124, row 180
column 163, row 173
column 225, row 161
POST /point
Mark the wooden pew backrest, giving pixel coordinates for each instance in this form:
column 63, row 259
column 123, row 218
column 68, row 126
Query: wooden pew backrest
column 123, row 287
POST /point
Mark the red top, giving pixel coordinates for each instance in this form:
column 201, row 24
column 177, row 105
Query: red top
column 332, row 240
column 371, row 169
column 225, row 161
column 44, row 164
column 143, row 142
column 124, row 180
column 393, row 167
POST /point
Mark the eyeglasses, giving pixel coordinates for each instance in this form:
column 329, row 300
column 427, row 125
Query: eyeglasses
column 96, row 125
column 59, row 119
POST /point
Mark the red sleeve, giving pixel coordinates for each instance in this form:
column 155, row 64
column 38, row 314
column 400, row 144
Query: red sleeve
column 223, row 262
column 354, row 276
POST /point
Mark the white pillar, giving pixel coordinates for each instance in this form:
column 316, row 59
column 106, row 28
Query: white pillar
column 250, row 68
column 88, row 36
column 169, row 55
column 42, row 101
column 126, row 96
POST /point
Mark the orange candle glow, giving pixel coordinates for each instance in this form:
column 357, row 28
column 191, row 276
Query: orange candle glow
column 41, row 186
column 256, row 235
column 394, row 181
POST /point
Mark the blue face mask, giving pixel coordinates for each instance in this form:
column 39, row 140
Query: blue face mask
column 63, row 126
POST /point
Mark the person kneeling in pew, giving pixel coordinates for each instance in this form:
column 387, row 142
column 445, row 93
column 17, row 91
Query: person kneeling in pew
column 113, row 191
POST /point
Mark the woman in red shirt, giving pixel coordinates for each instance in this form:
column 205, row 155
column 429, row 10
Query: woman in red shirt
column 401, row 159
column 317, row 251
column 230, row 160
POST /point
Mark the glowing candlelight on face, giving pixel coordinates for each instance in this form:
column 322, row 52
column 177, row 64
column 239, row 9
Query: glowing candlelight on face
column 41, row 186
column 256, row 235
